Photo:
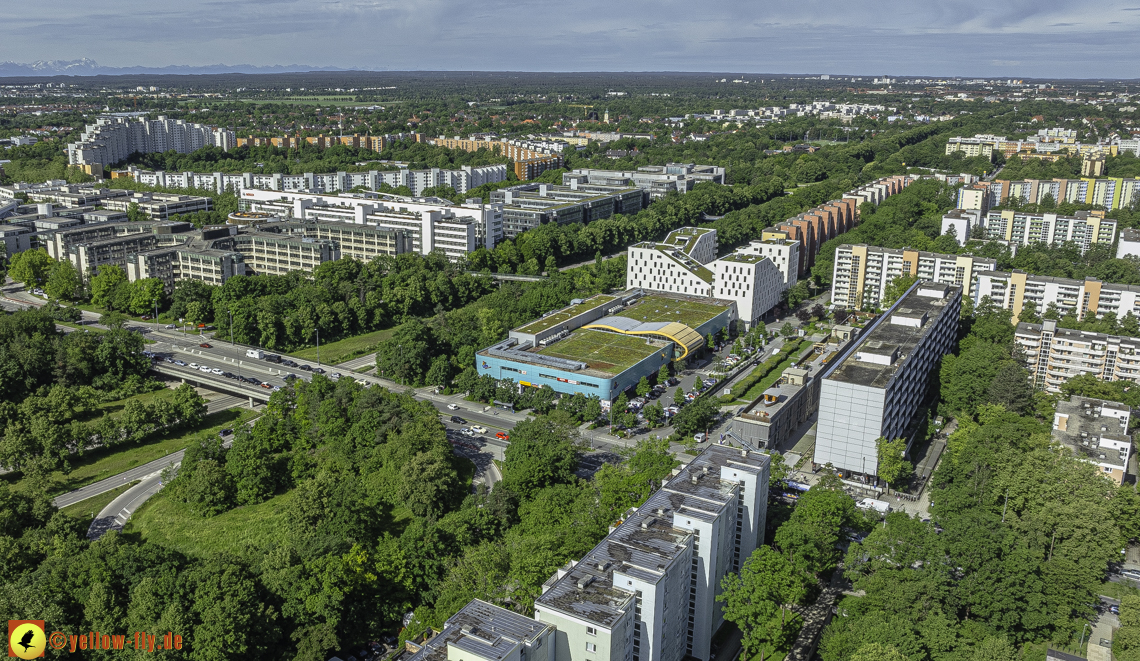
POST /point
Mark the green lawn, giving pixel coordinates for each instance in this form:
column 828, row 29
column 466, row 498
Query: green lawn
column 85, row 510
column 346, row 349
column 173, row 525
column 102, row 463
column 608, row 352
column 659, row 308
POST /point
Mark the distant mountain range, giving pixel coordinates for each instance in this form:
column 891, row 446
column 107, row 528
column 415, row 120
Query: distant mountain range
column 86, row 67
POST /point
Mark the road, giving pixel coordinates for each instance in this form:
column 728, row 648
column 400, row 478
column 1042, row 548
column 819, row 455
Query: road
column 114, row 516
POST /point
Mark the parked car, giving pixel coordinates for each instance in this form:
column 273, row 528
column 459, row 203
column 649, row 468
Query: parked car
column 699, row 437
column 170, row 326
column 318, row 370
column 216, row 371
column 38, row 292
column 205, row 345
column 146, row 317
column 502, row 437
column 335, row 376
column 180, row 363
column 204, row 368
column 225, row 432
column 228, row 375
column 192, row 366
column 479, row 429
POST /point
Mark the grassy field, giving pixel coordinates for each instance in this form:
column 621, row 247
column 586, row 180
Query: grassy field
column 660, row 308
column 346, row 349
column 608, row 352
column 102, row 463
column 174, row 526
column 569, row 313
column 85, row 510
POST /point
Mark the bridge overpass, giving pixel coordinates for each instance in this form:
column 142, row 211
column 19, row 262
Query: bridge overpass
column 214, row 382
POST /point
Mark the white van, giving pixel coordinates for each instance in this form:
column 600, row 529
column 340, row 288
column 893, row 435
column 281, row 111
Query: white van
column 254, row 353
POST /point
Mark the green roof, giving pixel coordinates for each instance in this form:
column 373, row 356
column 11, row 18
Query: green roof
column 564, row 315
column 606, row 352
column 661, row 308
column 744, row 258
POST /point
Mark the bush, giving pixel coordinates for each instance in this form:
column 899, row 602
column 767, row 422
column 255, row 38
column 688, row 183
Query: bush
column 742, row 386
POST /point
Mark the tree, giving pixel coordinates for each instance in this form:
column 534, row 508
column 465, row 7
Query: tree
column 787, row 331
column 679, row 397
column 654, row 414
column 878, row 652
column 136, row 215
column 64, row 281
column 31, row 267
column 105, row 286
column 145, row 295
column 663, row 374
column 541, row 454
column 710, row 342
column 593, row 409
column 1010, row 388
column 893, row 465
column 895, row 289
column 643, row 387
column 696, row 417
column 766, row 585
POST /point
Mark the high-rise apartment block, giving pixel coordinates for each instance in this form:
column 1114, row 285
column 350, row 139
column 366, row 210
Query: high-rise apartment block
column 882, row 380
column 1016, row 228
column 527, row 206
column 862, row 273
column 1107, row 192
column 484, row 632
column 648, row 591
column 113, row 138
column 1097, row 431
column 1012, row 290
column 685, row 262
column 1054, row 355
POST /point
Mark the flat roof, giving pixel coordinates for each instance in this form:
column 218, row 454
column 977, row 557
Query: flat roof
column 646, row 542
column 690, row 311
column 565, row 314
column 784, row 392
column 611, row 353
column 1092, row 435
column 887, row 338
column 485, row 630
column 744, row 257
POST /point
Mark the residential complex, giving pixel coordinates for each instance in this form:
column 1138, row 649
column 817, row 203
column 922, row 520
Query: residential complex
column 647, row 592
column 1013, row 289
column 1016, row 228
column 861, row 272
column 1054, row 355
column 1096, row 431
column 484, row 632
column 1107, row 192
column 879, row 384
column 604, row 345
column 773, row 417
column 657, row 180
column 462, row 180
column 432, row 224
column 1129, row 244
column 527, row 206
column 113, row 138
column 530, row 158
column 685, row 262
column 1048, row 143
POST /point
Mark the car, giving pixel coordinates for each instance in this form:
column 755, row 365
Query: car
column 335, row 376
column 168, row 359
column 479, row 429
column 225, row 432
column 228, row 375
column 204, row 368
column 699, row 437
column 192, row 366
column 453, row 407
column 275, row 388
column 217, row 371
column 180, row 363
column 307, row 368
column 146, row 317
column 318, row 370
column 252, row 381
column 273, row 358
column 38, row 292
column 267, row 385
column 502, row 437
column 673, row 381
column 1115, row 609
column 170, row 326
column 363, row 382
column 466, row 431
column 1131, row 573
column 288, row 363
column 206, row 345
column 458, row 420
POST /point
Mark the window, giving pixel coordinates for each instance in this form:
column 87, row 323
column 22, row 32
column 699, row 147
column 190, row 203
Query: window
column 591, row 647
column 591, row 631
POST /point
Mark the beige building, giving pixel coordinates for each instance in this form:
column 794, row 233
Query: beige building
column 1054, row 355
column 1011, row 290
column 1097, row 431
column 861, row 273
column 158, row 206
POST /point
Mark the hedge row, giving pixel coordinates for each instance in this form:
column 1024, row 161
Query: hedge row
column 763, row 370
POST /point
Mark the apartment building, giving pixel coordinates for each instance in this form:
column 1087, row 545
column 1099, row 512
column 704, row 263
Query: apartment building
column 976, row 146
column 657, row 180
column 113, row 138
column 185, row 262
column 648, row 591
column 1012, row 289
column 685, row 262
column 1097, row 431
column 1054, row 355
column 1108, row 192
column 483, row 632
column 1083, row 228
column 529, row 205
column 266, row 253
column 361, row 242
column 879, row 384
column 532, row 168
column 1129, row 245
column 965, row 224
column 861, row 272
column 462, row 180
column 431, row 223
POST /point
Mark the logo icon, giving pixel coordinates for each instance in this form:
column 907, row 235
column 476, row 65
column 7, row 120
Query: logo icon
column 26, row 639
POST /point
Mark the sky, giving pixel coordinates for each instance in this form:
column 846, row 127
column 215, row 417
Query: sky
column 987, row 38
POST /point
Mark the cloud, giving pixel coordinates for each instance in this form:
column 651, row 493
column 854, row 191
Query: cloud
column 1049, row 38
